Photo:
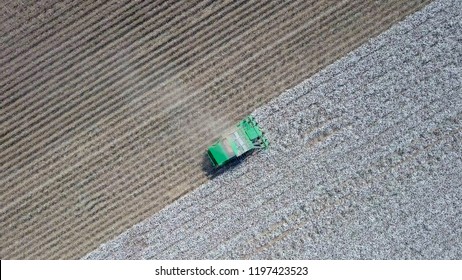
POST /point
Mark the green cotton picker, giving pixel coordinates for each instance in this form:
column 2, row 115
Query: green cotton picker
column 246, row 136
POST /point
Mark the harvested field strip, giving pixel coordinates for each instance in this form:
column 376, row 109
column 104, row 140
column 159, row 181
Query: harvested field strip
column 87, row 104
column 99, row 151
column 389, row 123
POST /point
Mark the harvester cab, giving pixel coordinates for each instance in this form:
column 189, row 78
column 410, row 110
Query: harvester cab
column 246, row 136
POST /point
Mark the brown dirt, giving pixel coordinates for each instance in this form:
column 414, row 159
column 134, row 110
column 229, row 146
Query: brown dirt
column 107, row 108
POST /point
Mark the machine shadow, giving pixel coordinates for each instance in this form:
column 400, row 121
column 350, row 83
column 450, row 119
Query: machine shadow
column 212, row 172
